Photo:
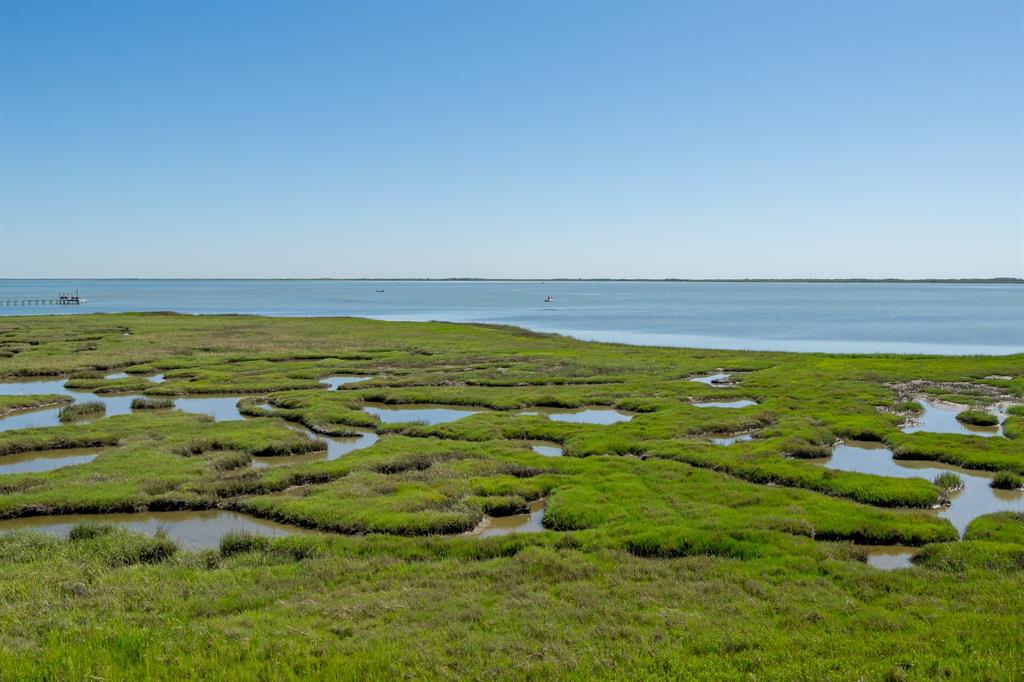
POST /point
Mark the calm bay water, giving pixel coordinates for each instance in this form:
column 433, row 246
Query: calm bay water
column 825, row 317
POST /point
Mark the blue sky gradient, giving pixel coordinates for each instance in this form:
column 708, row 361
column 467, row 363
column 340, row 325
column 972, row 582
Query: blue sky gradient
column 512, row 140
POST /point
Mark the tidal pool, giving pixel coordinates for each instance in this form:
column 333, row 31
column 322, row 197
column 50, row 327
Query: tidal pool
column 717, row 380
column 114, row 404
column 890, row 557
column 221, row 408
column 728, row 403
column 189, row 529
column 40, row 386
column 546, row 448
column 46, row 460
column 334, row 382
column 156, row 379
column 602, row 417
column 941, row 418
column 517, row 523
column 735, row 438
column 336, row 447
column 117, row 375
column 974, row 499
column 426, row 414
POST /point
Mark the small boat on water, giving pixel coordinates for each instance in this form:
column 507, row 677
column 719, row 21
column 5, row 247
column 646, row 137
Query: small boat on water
column 549, row 299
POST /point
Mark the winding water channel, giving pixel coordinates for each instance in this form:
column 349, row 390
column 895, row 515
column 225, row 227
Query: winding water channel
column 190, row 529
column 203, row 529
column 423, row 414
column 974, row 498
column 938, row 417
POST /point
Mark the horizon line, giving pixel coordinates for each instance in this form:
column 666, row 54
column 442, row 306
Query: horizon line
column 852, row 280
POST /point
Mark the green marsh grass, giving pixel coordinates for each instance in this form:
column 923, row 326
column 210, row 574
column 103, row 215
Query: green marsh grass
column 1007, row 527
column 661, row 554
column 1007, row 480
column 947, row 481
column 977, row 418
column 238, row 541
column 84, row 410
column 14, row 403
column 152, row 403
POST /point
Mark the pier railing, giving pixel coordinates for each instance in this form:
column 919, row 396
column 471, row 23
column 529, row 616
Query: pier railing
column 63, row 298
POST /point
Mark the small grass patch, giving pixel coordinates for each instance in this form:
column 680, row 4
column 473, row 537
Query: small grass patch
column 86, row 410
column 239, row 541
column 947, row 481
column 89, row 530
column 152, row 403
column 1007, row 480
column 908, row 407
column 998, row 527
column 119, row 547
column 977, row 418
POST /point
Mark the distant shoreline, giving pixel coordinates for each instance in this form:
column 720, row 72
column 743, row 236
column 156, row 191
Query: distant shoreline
column 809, row 280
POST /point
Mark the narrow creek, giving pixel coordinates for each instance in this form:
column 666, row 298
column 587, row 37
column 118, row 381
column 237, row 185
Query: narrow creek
column 189, row 529
column 223, row 408
column 530, row 522
column 589, row 415
column 734, row 404
column 423, row 414
column 336, row 447
column 333, row 383
column 46, row 460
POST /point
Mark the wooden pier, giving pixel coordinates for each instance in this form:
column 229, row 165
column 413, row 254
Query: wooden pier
column 63, row 298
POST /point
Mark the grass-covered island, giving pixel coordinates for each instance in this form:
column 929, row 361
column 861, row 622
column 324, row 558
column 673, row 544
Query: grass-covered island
column 679, row 516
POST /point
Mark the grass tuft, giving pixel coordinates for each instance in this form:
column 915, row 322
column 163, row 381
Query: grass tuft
column 85, row 410
column 152, row 403
column 240, row 541
column 947, row 481
column 1007, row 480
column 908, row 407
column 977, row 418
column 89, row 530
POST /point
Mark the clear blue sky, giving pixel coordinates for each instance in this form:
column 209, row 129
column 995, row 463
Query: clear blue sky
column 512, row 140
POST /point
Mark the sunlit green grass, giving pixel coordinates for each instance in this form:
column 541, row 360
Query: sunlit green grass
column 662, row 554
column 82, row 410
column 13, row 403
